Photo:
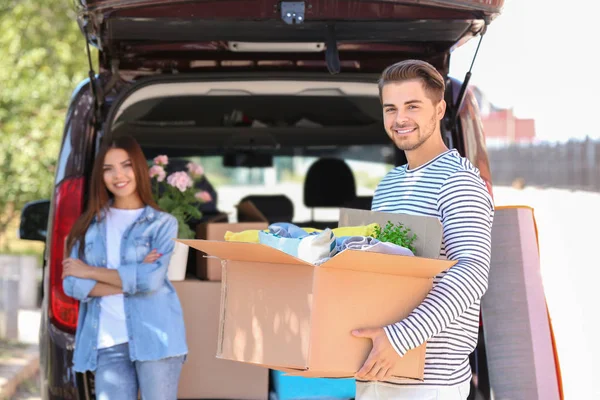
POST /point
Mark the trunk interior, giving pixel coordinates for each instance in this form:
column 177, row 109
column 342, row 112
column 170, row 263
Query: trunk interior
column 258, row 136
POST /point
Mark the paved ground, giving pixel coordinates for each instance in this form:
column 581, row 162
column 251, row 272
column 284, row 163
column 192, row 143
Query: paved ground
column 19, row 360
column 29, row 390
column 28, row 332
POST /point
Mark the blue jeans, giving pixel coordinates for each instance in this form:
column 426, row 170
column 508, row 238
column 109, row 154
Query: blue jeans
column 118, row 378
column 381, row 391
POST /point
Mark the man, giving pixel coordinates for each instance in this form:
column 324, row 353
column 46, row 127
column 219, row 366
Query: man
column 436, row 182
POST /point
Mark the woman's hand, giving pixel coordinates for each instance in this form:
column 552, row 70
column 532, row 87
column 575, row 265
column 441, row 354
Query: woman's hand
column 77, row 268
column 152, row 257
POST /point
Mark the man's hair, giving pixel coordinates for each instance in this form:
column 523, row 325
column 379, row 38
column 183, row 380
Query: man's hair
column 407, row 70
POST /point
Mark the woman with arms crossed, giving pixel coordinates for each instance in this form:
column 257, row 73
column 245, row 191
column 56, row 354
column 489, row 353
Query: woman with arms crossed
column 130, row 330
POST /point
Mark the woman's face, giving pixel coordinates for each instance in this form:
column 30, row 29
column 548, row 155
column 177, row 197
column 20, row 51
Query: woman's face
column 118, row 174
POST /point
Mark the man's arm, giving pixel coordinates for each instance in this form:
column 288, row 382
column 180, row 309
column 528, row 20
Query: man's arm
column 466, row 211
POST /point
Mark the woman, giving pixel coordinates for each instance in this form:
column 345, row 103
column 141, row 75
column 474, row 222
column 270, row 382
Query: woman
column 130, row 330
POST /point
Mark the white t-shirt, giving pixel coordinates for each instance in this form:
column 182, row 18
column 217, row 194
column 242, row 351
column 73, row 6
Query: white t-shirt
column 112, row 329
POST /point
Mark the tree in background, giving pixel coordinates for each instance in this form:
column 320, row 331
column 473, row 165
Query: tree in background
column 42, row 59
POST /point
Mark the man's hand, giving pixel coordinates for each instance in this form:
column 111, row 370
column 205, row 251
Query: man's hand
column 77, row 268
column 382, row 358
column 152, row 257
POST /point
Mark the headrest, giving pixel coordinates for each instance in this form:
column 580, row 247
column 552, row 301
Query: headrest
column 329, row 183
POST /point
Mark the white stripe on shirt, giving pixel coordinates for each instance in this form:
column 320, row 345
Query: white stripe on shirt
column 450, row 188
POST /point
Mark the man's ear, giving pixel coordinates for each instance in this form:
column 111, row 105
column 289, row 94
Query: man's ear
column 441, row 109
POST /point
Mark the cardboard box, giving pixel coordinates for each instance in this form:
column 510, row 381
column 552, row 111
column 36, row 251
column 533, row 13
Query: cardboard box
column 209, row 268
column 518, row 334
column 203, row 375
column 281, row 312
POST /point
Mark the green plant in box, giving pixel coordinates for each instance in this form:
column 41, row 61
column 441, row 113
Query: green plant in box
column 397, row 234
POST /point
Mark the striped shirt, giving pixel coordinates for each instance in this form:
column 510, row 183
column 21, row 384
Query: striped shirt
column 450, row 188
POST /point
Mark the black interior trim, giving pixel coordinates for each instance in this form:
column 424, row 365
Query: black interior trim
column 181, row 30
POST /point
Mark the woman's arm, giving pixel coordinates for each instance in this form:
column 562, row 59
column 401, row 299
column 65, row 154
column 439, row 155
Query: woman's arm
column 144, row 278
column 74, row 267
column 104, row 275
column 103, row 289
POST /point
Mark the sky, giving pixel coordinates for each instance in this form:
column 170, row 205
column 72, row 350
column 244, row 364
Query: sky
column 536, row 58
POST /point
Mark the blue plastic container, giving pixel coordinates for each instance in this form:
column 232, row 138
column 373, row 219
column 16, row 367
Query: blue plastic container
column 297, row 387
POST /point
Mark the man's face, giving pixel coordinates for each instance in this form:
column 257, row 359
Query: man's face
column 409, row 116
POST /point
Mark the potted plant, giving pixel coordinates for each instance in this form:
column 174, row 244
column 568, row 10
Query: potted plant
column 176, row 195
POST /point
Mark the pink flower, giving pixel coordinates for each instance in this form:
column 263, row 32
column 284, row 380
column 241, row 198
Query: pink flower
column 195, row 170
column 161, row 160
column 203, row 196
column 158, row 172
column 180, row 180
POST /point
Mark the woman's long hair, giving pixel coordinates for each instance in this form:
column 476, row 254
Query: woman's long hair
column 99, row 198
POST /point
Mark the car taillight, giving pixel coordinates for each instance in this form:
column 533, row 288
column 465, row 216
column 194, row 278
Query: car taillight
column 68, row 205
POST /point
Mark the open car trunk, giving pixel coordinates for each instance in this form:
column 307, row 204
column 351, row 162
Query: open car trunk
column 354, row 35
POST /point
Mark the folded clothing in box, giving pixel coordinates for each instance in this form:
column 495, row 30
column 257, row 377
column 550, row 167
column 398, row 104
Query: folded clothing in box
column 312, row 248
column 318, row 247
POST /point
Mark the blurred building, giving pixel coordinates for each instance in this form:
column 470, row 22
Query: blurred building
column 500, row 126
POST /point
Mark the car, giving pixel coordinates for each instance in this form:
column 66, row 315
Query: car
column 258, row 90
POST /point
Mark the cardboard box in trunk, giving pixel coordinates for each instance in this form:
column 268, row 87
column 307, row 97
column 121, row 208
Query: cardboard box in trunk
column 284, row 313
column 203, row 375
column 209, row 268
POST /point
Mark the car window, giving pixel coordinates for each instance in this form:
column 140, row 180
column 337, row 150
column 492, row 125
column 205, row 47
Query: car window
column 369, row 164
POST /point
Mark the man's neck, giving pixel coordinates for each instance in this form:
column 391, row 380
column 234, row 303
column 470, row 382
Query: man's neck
column 424, row 154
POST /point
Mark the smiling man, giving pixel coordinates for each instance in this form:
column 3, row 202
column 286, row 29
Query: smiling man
column 435, row 182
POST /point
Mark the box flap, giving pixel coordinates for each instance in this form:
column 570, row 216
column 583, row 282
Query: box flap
column 241, row 251
column 358, row 260
column 428, row 229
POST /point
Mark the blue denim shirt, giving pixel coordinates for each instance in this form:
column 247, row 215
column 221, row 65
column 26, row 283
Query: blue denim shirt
column 153, row 312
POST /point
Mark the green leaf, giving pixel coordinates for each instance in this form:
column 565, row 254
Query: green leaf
column 167, row 204
column 185, row 232
column 397, row 234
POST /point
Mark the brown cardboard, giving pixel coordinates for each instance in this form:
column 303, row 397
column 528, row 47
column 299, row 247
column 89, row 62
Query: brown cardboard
column 284, row 313
column 428, row 229
column 203, row 375
column 209, row 268
column 247, row 211
column 514, row 306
